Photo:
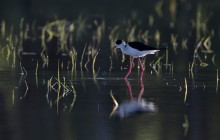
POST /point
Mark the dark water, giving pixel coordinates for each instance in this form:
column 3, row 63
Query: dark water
column 26, row 113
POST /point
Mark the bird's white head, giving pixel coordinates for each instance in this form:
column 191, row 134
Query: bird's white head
column 120, row 44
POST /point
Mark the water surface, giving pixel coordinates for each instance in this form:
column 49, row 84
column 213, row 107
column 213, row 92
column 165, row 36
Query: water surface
column 85, row 114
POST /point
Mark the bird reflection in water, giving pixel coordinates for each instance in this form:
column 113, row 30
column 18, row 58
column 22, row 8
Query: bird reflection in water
column 133, row 106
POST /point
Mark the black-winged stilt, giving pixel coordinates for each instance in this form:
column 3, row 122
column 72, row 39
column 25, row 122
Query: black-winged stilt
column 136, row 50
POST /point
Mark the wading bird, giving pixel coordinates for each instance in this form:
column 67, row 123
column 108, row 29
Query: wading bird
column 136, row 50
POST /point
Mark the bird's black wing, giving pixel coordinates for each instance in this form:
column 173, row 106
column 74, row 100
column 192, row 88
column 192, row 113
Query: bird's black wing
column 141, row 46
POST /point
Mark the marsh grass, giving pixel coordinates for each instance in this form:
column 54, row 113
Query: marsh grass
column 45, row 58
column 21, row 35
column 64, row 85
column 60, row 29
column 36, row 70
column 14, row 58
column 173, row 12
column 186, row 90
column 59, row 85
column 111, row 66
column 87, row 62
column 49, row 87
column 3, row 28
column 217, row 79
column 93, row 65
column 113, row 36
column 184, row 44
column 158, row 8
column 144, row 36
column 167, row 57
column 198, row 22
column 82, row 56
column 213, row 59
column 23, row 70
column 157, row 38
column 12, row 46
column 13, row 97
column 156, row 65
column 62, row 90
column 205, row 47
column 73, row 55
column 99, row 33
column 131, row 34
column 191, row 69
column 174, row 42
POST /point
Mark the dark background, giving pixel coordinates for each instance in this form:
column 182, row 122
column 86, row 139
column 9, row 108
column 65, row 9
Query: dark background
column 116, row 12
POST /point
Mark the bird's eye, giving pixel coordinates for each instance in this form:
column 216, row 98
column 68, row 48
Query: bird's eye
column 118, row 42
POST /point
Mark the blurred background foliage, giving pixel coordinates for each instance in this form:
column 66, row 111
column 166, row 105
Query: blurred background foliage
column 172, row 22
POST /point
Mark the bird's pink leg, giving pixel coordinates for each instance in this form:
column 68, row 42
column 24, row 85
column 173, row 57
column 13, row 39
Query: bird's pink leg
column 129, row 89
column 129, row 71
column 141, row 91
column 142, row 67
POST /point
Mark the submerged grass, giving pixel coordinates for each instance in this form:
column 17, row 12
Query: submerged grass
column 59, row 86
column 87, row 62
column 186, row 91
column 157, row 65
column 93, row 65
column 186, row 125
column 23, row 70
column 45, row 58
column 26, row 91
column 49, row 87
column 74, row 97
column 167, row 57
column 62, row 90
column 115, row 104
